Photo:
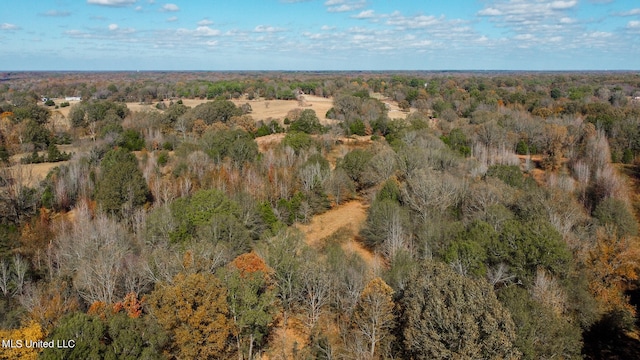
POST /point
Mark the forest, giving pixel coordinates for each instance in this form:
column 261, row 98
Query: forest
column 320, row 215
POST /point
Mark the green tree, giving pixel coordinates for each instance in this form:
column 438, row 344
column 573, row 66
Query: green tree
column 121, row 182
column 87, row 331
column 446, row 315
column 193, row 310
column 298, row 141
column 37, row 134
column 613, row 212
column 355, row 164
column 214, row 111
column 251, row 300
column 131, row 140
column 211, row 216
column 33, row 112
column 541, row 334
column 527, row 246
column 235, row 144
column 308, row 122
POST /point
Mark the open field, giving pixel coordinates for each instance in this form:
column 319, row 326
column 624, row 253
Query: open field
column 261, row 109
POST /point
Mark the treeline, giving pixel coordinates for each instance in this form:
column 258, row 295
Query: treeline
column 172, row 236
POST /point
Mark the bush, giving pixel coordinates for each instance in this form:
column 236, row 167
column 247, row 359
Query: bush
column 131, row 140
column 298, row 141
column 163, row 158
column 510, row 174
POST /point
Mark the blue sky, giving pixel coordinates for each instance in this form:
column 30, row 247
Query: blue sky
column 320, row 35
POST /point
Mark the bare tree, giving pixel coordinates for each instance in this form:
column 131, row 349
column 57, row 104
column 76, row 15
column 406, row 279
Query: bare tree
column 5, row 277
column 427, row 192
column 20, row 268
column 499, row 274
column 93, row 253
column 315, row 293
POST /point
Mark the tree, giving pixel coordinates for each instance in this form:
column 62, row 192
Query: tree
column 107, row 336
column 446, row 315
column 88, row 333
column 386, row 227
column 298, row 141
column 613, row 212
column 30, row 332
column 92, row 253
column 251, row 301
column 355, row 163
column 374, row 316
column 308, row 122
column 236, row 144
column 211, row 216
column 121, row 182
column 529, row 245
column 541, row 334
column 194, row 312
column 282, row 253
column 214, row 111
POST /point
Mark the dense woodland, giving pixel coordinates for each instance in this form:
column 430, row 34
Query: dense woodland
column 501, row 216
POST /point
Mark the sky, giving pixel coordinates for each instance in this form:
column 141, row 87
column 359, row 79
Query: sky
column 320, row 35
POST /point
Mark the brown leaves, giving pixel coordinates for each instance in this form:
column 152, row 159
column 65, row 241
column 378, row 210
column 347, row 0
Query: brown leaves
column 613, row 263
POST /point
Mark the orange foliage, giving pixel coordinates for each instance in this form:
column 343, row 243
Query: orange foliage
column 250, row 263
column 130, row 304
column 99, row 309
column 613, row 262
column 50, row 303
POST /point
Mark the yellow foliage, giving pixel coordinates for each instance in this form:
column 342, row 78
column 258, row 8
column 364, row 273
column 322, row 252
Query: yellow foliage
column 21, row 338
column 613, row 263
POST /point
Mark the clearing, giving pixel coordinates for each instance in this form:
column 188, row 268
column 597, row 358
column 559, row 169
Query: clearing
column 347, row 220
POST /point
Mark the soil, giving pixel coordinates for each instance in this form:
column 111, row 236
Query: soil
column 347, row 219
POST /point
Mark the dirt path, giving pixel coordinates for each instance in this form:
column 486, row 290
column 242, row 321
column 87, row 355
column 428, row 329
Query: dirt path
column 347, row 219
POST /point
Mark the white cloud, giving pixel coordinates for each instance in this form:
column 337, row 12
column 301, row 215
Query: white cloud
column 7, row 26
column 200, row 31
column 56, row 13
column 366, row 14
column 172, row 19
column 77, row 34
column 113, row 27
column 415, row 22
column 170, row 8
column 337, row 6
column 267, row 29
column 490, row 12
column 205, row 22
column 567, row 20
column 633, row 24
column 632, row 12
column 327, row 28
column 114, row 3
column 138, row 8
column 562, row 5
